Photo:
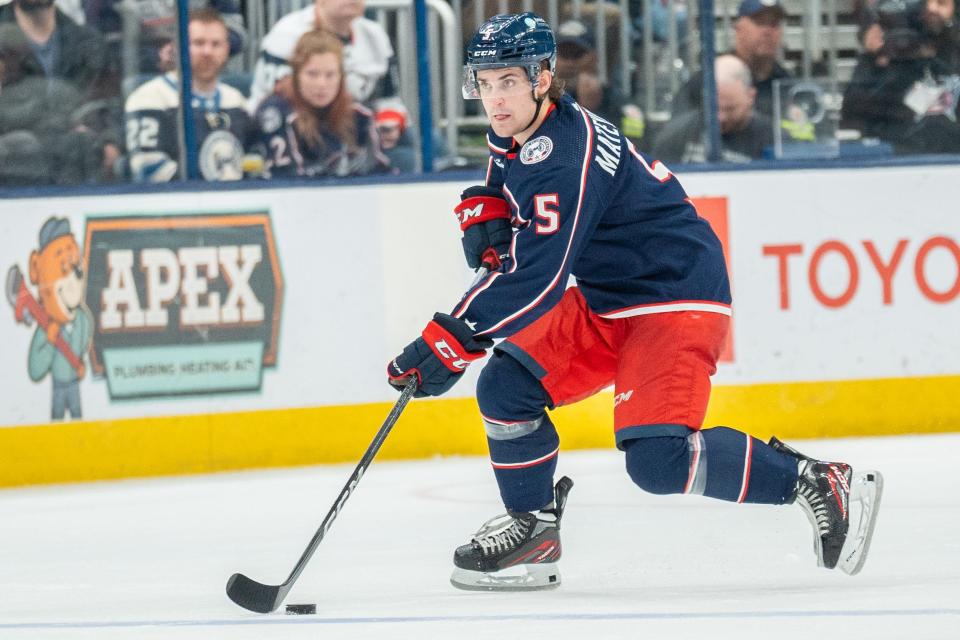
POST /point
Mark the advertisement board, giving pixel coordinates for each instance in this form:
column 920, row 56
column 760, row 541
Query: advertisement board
column 250, row 328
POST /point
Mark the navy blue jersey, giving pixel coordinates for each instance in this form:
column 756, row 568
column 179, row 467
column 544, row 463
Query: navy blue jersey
column 586, row 203
column 288, row 154
column 221, row 123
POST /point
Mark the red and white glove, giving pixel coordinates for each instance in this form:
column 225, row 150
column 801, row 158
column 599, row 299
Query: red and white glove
column 484, row 217
column 438, row 357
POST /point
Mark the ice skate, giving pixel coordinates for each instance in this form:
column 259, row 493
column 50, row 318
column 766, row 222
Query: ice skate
column 514, row 551
column 842, row 507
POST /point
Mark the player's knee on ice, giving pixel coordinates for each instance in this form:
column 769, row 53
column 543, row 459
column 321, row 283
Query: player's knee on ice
column 659, row 464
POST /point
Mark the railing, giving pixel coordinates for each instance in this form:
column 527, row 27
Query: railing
column 815, row 35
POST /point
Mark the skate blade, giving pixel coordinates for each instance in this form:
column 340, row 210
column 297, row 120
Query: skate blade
column 866, row 489
column 524, row 577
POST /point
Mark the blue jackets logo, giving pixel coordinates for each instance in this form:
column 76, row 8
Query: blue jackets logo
column 536, row 150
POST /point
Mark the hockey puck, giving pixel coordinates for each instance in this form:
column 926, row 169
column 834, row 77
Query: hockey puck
column 301, row 609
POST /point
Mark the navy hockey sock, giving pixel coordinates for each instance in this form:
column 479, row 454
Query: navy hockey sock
column 522, row 440
column 720, row 463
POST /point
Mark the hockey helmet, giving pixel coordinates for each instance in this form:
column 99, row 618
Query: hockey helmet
column 509, row 40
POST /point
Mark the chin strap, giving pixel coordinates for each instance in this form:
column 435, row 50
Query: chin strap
column 536, row 113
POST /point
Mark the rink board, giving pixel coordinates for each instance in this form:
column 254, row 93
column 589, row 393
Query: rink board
column 250, row 328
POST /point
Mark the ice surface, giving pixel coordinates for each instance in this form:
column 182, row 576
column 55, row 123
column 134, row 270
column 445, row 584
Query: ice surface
column 149, row 559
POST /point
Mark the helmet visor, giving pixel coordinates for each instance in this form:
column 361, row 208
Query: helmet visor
column 501, row 82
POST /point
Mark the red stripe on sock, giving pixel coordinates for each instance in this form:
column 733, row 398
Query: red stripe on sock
column 745, row 485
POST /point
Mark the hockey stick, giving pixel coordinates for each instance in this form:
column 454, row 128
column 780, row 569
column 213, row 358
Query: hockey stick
column 482, row 272
column 264, row 598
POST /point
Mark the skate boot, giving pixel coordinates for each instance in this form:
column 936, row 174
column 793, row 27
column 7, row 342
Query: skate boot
column 842, row 507
column 514, row 551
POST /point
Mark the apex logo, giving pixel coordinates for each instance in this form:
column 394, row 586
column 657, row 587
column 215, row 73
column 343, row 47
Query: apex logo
column 183, row 304
column 185, row 275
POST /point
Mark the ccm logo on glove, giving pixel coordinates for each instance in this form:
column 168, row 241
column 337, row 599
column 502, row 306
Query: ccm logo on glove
column 452, row 354
column 438, row 357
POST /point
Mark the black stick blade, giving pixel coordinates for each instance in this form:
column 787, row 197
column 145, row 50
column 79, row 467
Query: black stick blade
column 250, row 594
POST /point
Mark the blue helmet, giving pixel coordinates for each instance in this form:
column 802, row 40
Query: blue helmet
column 509, row 40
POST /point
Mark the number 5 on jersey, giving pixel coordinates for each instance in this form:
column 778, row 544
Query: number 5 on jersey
column 546, row 207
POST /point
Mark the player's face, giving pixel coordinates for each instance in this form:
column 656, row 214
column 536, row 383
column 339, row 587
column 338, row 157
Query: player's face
column 507, row 97
column 734, row 105
column 759, row 36
column 319, row 79
column 209, row 49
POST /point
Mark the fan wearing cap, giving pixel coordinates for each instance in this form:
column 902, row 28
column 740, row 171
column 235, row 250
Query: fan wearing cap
column 757, row 40
column 392, row 120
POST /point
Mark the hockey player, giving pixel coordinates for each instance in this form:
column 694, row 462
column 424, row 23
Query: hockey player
column 222, row 123
column 367, row 48
column 566, row 194
column 314, row 127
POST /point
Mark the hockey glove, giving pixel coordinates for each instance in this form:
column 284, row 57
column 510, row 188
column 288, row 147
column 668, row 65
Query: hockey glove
column 484, row 217
column 438, row 357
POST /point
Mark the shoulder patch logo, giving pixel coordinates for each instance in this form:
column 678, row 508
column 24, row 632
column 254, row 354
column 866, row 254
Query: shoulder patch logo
column 536, row 150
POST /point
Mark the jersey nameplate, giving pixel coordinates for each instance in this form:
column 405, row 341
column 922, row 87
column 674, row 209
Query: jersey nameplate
column 608, row 144
column 536, row 150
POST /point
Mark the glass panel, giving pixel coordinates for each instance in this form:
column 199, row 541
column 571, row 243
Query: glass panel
column 805, row 116
column 59, row 97
column 901, row 97
column 220, row 127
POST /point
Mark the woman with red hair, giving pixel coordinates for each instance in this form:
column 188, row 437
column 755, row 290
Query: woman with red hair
column 311, row 126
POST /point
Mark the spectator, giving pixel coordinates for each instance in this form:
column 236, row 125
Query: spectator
column 940, row 21
column 758, row 38
column 157, row 19
column 60, row 48
column 744, row 133
column 312, row 126
column 931, row 24
column 219, row 114
column 904, row 95
column 41, row 139
column 367, row 48
column 393, row 129
column 578, row 68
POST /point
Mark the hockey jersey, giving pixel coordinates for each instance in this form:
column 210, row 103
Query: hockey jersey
column 366, row 56
column 221, row 123
column 586, row 203
column 288, row 155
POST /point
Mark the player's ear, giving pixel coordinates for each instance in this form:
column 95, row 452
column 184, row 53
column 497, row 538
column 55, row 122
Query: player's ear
column 544, row 81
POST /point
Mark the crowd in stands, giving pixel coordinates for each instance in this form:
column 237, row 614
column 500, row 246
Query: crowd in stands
column 905, row 86
column 80, row 104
